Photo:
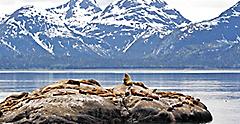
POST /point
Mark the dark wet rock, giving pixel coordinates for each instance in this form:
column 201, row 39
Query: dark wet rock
column 86, row 101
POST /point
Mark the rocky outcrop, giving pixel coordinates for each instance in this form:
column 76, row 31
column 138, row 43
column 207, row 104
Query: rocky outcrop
column 86, row 101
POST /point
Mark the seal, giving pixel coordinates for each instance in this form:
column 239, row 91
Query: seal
column 10, row 102
column 90, row 82
column 127, row 80
column 136, row 93
column 51, row 87
column 120, row 90
column 141, row 84
column 94, row 82
column 123, row 89
column 188, row 103
column 154, row 90
column 19, row 96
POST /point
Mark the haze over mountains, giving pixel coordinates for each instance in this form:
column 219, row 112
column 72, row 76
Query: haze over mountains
column 127, row 33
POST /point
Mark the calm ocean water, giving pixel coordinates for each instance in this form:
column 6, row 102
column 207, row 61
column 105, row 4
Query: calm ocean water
column 219, row 91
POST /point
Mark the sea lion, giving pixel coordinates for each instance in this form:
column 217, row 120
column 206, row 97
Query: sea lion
column 82, row 92
column 94, row 91
column 90, row 82
column 12, row 100
column 198, row 103
column 70, row 86
column 127, row 80
column 178, row 94
column 139, row 91
column 107, row 95
column 15, row 97
column 154, row 96
column 51, row 87
column 36, row 93
column 154, row 90
column 141, row 84
column 174, row 96
column 189, row 97
column 160, row 93
column 120, row 90
column 148, row 93
column 195, row 102
column 101, row 91
column 65, row 92
column 37, row 97
column 147, row 99
column 178, row 105
column 94, row 82
column 73, row 82
column 136, row 93
column 110, row 90
column 168, row 94
column 188, row 103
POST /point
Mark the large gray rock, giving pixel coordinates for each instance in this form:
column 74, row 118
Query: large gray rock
column 86, row 101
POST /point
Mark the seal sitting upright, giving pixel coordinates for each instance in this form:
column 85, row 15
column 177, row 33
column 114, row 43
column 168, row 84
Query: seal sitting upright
column 121, row 90
column 127, row 80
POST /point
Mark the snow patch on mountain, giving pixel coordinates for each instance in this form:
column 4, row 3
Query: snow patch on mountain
column 76, row 12
column 9, row 45
column 125, row 23
column 142, row 14
column 48, row 47
column 132, row 42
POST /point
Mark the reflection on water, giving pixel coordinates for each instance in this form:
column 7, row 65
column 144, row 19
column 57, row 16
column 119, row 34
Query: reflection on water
column 220, row 92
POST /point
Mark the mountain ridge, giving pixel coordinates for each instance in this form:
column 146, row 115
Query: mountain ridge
column 127, row 33
column 212, row 42
column 128, row 23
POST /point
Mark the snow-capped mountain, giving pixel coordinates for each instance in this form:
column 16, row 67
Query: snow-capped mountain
column 77, row 12
column 143, row 13
column 37, row 33
column 31, row 34
column 139, row 33
column 214, row 43
column 126, row 25
column 30, row 26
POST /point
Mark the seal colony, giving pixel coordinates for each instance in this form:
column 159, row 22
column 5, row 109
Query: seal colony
column 86, row 101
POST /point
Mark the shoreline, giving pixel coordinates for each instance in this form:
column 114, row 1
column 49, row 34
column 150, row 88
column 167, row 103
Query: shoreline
column 120, row 71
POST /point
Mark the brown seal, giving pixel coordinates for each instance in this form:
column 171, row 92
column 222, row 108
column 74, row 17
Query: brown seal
column 127, row 80
column 141, row 84
column 19, row 96
column 90, row 82
column 73, row 82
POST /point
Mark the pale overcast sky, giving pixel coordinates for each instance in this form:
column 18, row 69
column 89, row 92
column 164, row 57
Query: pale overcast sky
column 195, row 10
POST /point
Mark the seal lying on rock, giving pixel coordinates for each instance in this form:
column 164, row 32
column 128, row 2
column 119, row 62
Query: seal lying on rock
column 86, row 101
